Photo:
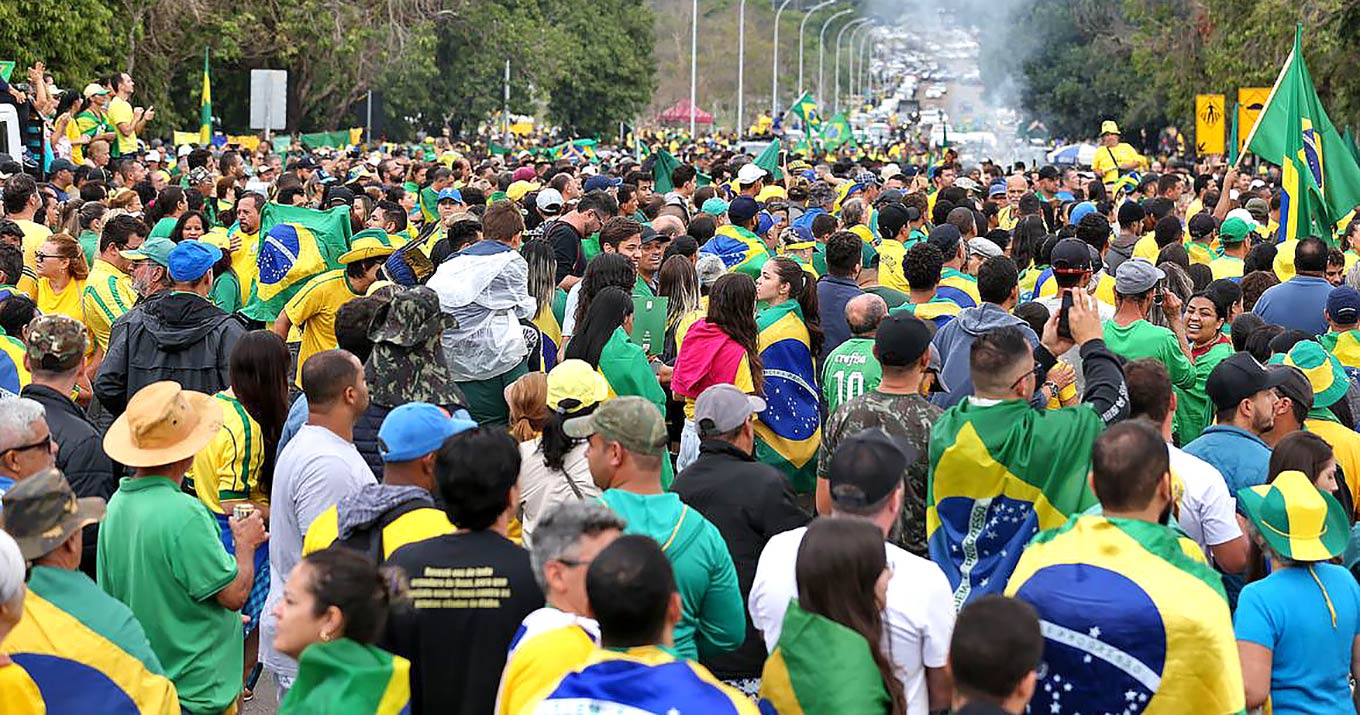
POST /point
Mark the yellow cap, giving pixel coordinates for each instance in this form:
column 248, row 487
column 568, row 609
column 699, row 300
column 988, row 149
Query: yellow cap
column 366, row 247
column 773, row 191
column 217, row 236
column 1109, row 127
column 577, row 381
column 517, row 190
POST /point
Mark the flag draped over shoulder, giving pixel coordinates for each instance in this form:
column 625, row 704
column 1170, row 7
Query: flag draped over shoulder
column 789, row 430
column 205, row 106
column 1131, row 623
column 739, row 249
column 806, row 109
column 1320, row 177
column 550, row 337
column 998, row 475
column 296, row 244
column 820, row 666
column 345, row 676
column 642, row 681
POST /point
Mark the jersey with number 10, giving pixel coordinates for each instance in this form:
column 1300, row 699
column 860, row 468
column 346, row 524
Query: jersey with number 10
column 850, row 371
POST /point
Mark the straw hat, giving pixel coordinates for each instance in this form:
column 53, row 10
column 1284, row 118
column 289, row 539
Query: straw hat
column 163, row 424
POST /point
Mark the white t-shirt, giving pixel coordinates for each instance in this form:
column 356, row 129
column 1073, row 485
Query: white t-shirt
column 541, row 487
column 919, row 618
column 1208, row 513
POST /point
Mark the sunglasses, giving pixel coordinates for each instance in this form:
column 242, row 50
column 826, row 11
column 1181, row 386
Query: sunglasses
column 45, row 444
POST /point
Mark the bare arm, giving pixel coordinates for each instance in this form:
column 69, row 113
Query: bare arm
column 282, row 325
column 1232, row 556
column 248, row 534
column 1256, row 671
column 940, row 688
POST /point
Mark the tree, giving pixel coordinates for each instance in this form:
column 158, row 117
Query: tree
column 609, row 74
column 75, row 39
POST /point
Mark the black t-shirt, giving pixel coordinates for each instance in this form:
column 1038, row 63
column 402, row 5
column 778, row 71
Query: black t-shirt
column 469, row 593
column 566, row 243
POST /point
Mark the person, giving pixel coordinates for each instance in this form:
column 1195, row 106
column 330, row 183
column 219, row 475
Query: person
column 789, row 430
column 336, row 606
column 527, row 399
column 1298, row 629
column 160, row 551
column 1342, row 338
column 181, row 337
column 1139, row 286
column 998, row 289
column 555, row 639
column 54, row 355
column 1204, row 508
column 62, row 270
column 244, row 241
column 843, row 578
column 736, row 243
column 1244, row 398
column 723, row 347
column 1330, row 383
column 994, row 656
column 836, row 289
column 1232, row 237
column 1206, row 316
column 542, row 287
column 851, row 369
column 996, row 433
column 896, row 227
column 553, row 468
column 485, row 288
column 66, row 615
column 866, row 483
column 1114, row 158
column 610, row 268
column 897, row 406
column 1308, row 453
column 108, row 289
column 1135, row 580
column 378, row 519
column 567, row 233
column 955, row 285
column 746, row 517
column 627, row 443
column 652, row 248
column 26, row 443
column 315, row 469
column 312, row 309
column 476, row 471
column 22, row 200
column 1299, row 302
column 632, row 590
column 923, row 265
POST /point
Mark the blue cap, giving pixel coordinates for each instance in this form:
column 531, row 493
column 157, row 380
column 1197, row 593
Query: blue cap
column 742, row 210
column 450, row 193
column 1080, row 211
column 714, row 207
column 189, row 260
column 600, row 181
column 998, row 188
column 1343, row 305
column 415, row 429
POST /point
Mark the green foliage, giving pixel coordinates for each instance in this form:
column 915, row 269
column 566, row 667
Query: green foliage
column 57, row 33
column 608, row 73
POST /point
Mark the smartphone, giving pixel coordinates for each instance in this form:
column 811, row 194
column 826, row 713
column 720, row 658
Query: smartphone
column 1065, row 327
column 1159, row 292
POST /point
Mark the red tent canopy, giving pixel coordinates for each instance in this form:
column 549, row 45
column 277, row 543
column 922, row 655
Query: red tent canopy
column 680, row 112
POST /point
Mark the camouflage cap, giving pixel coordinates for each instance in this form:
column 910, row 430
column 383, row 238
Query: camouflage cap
column 413, row 318
column 56, row 342
column 41, row 512
column 633, row 422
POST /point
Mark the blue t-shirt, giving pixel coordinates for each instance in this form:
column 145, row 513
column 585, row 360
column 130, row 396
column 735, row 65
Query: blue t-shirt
column 5, row 484
column 1296, row 304
column 1287, row 613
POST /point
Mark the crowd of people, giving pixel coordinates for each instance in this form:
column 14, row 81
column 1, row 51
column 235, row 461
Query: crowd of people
column 601, row 434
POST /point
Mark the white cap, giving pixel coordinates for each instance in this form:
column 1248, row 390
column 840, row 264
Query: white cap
column 589, row 170
column 984, row 247
column 750, row 174
column 889, row 171
column 1243, row 214
column 185, row 150
column 153, row 155
column 549, row 200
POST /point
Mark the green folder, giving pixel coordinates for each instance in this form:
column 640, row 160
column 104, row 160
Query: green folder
column 649, row 323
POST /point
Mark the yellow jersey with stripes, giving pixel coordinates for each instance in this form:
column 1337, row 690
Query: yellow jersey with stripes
column 108, row 294
column 228, row 469
column 312, row 311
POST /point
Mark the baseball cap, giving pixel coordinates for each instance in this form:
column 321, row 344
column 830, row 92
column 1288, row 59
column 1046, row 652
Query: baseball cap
column 714, row 207
column 153, row 155
column 518, row 189
column 633, row 422
column 1233, row 230
column 451, row 194
column 891, row 219
column 60, row 164
column 750, row 174
column 549, row 200
column 1080, row 211
column 189, row 260
column 967, row 184
column 998, row 188
column 1202, row 224
column 1071, row 255
column 722, row 408
column 340, row 195
column 650, row 234
column 901, row 340
column 1136, row 275
column 1238, row 377
column 574, row 384
column 1343, row 305
column 156, row 250
column 1294, row 384
column 94, row 88
column 1259, row 209
column 184, row 150
column 415, row 429
column 600, row 182
column 1048, row 172
column 1130, row 212
column 742, row 210
column 41, row 513
column 867, row 467
column 984, row 247
column 199, row 174
column 945, row 237
column 524, row 173
column 1108, row 127
column 55, row 343
column 868, row 178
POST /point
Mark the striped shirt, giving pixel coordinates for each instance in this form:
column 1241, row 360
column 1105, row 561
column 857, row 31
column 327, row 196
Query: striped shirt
column 229, row 467
column 108, row 294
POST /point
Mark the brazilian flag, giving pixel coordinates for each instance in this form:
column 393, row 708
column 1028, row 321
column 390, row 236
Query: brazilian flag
column 345, row 676
column 739, row 249
column 837, row 133
column 790, row 429
column 806, row 109
column 1131, row 623
column 821, row 666
column 296, row 244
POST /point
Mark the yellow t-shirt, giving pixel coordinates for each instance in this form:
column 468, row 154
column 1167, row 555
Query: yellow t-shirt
column 34, row 235
column 243, row 262
column 539, row 664
column 416, row 525
column 119, row 112
column 1345, row 445
column 313, row 310
column 1227, row 267
column 1107, row 160
column 67, row 301
column 1199, row 253
column 1146, row 248
column 891, row 254
column 108, row 294
column 228, row 469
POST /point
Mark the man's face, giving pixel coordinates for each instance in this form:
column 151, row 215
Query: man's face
column 602, row 459
column 36, row 453
column 946, row 177
column 1262, row 407
column 361, row 399
column 63, row 177
column 1336, row 273
column 644, row 192
column 123, row 264
column 134, row 171
column 650, row 253
column 248, row 216
column 568, row 575
column 1048, row 186
column 446, row 209
column 1016, row 188
column 1071, row 181
column 1175, row 190
column 594, row 222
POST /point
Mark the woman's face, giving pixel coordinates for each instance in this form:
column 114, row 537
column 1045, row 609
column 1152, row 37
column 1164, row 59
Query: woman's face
column 298, row 626
column 49, row 263
column 193, row 228
column 1326, row 478
column 768, row 286
column 1202, row 323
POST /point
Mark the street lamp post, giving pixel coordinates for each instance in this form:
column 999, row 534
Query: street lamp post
column 821, row 49
column 693, row 64
column 863, row 51
column 741, row 66
column 854, row 34
column 801, row 27
column 774, row 63
column 839, row 35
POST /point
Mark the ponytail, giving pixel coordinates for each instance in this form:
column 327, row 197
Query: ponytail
column 803, row 288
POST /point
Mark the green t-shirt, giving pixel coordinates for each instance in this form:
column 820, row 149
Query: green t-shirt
column 163, row 228
column 891, row 296
column 1141, row 339
column 161, row 554
column 226, row 292
column 850, row 371
column 1193, row 409
column 89, row 243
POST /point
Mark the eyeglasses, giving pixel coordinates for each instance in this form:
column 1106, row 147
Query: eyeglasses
column 45, row 444
column 573, row 563
column 1032, row 371
column 40, row 256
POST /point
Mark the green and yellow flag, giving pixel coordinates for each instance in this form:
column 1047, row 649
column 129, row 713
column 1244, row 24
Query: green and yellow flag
column 769, row 160
column 837, row 133
column 806, row 109
column 1320, row 178
column 821, row 666
column 345, row 676
column 205, row 106
column 296, row 244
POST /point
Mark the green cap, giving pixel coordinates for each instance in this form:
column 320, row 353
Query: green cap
column 56, row 342
column 633, row 422
column 41, row 512
column 156, row 250
column 1234, row 230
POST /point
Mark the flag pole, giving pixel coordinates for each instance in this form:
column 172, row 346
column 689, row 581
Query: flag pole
column 1288, row 62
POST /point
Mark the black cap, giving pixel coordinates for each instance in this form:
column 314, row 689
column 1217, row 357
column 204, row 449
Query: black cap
column 649, row 234
column 867, row 467
column 340, row 195
column 1130, row 212
column 892, row 217
column 1237, row 378
column 1048, row 172
column 945, row 237
column 901, row 340
column 1071, row 255
column 1295, row 385
column 1202, row 224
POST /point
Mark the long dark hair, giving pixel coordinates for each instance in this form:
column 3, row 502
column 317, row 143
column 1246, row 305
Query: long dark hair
column 555, row 443
column 177, row 233
column 679, row 282
column 259, row 377
column 607, row 312
column 165, row 203
column 802, row 288
column 604, row 270
column 839, row 563
column 732, row 309
column 538, row 253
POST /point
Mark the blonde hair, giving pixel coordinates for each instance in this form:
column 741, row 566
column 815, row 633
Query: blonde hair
column 527, row 398
column 68, row 247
